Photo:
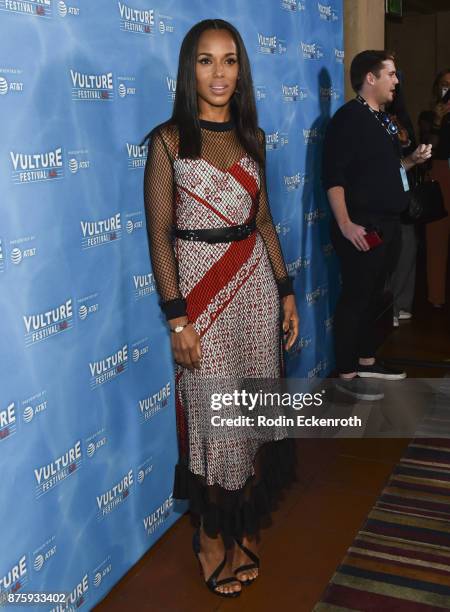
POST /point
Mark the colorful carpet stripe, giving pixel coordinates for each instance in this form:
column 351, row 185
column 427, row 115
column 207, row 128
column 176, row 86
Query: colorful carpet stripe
column 400, row 559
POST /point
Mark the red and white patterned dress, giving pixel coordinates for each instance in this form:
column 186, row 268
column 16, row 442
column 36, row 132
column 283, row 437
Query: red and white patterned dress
column 231, row 296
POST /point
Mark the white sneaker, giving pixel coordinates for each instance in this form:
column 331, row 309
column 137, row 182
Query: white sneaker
column 404, row 314
column 395, row 322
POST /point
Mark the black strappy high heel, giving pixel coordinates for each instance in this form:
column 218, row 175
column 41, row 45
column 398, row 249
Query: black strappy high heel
column 212, row 583
column 242, row 568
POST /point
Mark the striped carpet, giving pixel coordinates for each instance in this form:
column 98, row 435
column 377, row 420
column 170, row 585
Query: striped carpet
column 400, row 559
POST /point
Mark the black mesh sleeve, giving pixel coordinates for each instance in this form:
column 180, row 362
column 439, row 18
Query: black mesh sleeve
column 159, row 211
column 264, row 223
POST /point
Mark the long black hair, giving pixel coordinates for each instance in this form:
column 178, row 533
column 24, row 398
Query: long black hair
column 242, row 104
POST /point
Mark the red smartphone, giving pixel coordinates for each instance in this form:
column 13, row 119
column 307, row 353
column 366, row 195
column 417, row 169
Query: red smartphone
column 373, row 239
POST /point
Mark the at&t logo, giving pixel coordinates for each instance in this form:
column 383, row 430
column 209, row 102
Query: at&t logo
column 101, row 571
column 165, row 25
column 95, row 442
column 78, row 161
column 126, row 86
column 9, row 86
column 38, row 562
column 144, row 470
column 34, row 406
column 139, row 349
column 28, row 414
column 64, row 10
column 44, row 553
column 134, row 221
column 18, row 254
column 138, row 353
column 143, row 473
column 84, row 310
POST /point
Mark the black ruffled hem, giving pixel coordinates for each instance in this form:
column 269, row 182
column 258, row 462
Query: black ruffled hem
column 234, row 514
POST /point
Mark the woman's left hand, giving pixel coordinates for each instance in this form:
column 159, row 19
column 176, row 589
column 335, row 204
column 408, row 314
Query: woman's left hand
column 290, row 321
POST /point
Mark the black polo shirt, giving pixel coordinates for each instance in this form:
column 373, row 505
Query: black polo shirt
column 360, row 156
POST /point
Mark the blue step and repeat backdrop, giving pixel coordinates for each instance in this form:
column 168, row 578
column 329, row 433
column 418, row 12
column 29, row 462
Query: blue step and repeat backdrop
column 87, row 425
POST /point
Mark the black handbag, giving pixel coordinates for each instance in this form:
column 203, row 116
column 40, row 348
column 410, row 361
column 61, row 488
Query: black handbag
column 425, row 200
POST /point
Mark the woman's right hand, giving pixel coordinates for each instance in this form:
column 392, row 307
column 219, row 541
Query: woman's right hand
column 186, row 345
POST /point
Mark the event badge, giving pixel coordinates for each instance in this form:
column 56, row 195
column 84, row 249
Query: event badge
column 404, row 178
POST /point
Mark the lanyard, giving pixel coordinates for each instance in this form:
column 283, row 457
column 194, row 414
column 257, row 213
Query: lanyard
column 383, row 119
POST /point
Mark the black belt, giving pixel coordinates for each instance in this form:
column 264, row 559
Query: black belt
column 218, row 234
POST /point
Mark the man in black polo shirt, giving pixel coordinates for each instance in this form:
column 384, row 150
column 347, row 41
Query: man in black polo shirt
column 366, row 184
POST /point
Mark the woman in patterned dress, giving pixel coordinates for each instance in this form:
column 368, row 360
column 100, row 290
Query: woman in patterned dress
column 225, row 293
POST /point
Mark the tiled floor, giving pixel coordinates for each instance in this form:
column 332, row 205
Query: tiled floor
column 315, row 523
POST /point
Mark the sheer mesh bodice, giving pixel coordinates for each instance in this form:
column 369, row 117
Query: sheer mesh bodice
column 164, row 202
